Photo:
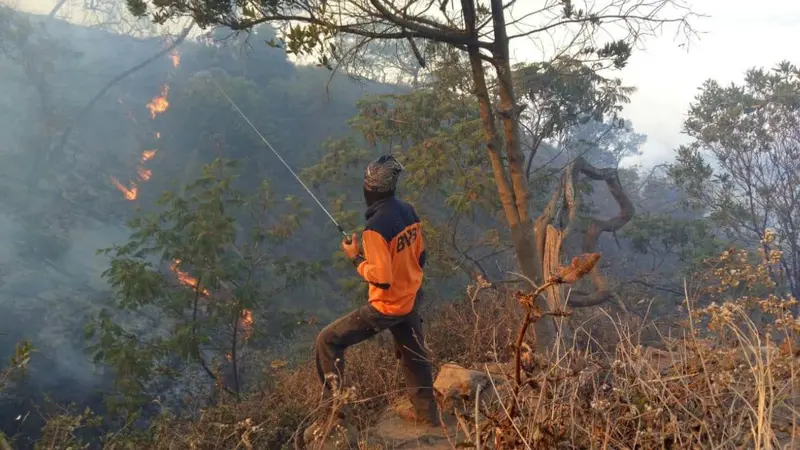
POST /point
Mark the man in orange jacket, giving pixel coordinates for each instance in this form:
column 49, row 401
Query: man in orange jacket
column 392, row 263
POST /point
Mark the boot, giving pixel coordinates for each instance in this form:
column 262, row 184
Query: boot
column 406, row 411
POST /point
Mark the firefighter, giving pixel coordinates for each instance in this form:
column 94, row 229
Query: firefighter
column 392, row 264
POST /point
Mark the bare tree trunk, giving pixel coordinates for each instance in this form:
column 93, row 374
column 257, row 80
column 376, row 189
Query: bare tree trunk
column 511, row 186
column 513, row 195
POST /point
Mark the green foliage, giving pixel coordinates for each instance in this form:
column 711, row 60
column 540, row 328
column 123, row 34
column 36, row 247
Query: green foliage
column 743, row 167
column 217, row 296
column 436, row 132
column 16, row 368
column 61, row 431
column 17, row 363
column 691, row 240
column 566, row 93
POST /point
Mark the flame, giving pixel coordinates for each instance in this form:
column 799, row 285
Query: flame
column 144, row 174
column 130, row 194
column 183, row 277
column 159, row 103
column 147, row 154
column 247, row 323
column 158, row 135
column 176, row 58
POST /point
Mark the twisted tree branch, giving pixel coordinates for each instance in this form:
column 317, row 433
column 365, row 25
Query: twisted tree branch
column 599, row 226
column 566, row 195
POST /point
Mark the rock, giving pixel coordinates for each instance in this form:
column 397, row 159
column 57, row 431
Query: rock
column 394, row 432
column 456, row 382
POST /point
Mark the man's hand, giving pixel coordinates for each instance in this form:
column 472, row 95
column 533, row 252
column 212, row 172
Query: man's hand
column 351, row 250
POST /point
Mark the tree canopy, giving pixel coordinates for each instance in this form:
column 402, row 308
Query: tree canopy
column 743, row 166
column 334, row 32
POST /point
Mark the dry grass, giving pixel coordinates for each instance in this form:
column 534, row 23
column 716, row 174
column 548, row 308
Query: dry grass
column 697, row 393
column 722, row 381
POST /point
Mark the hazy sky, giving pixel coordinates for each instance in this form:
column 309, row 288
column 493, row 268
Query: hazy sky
column 737, row 35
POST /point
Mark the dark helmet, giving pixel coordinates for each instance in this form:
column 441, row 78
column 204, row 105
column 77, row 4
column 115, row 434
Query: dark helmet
column 381, row 175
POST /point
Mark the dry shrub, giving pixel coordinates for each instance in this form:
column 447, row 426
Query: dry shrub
column 724, row 383
column 479, row 329
column 290, row 400
column 266, row 419
column 697, row 394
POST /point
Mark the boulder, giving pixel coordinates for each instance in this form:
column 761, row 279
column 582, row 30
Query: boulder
column 457, row 382
column 394, row 432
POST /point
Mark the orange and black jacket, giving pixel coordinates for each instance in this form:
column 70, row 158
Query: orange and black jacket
column 394, row 255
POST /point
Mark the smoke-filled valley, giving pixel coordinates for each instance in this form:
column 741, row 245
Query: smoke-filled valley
column 65, row 198
column 163, row 275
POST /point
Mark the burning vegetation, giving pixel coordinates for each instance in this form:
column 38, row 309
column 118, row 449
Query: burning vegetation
column 159, row 103
column 128, row 193
column 184, row 278
column 176, row 58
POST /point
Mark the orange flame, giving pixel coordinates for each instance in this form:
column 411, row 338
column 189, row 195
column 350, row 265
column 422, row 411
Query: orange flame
column 130, row 194
column 247, row 323
column 147, row 154
column 159, row 103
column 183, row 277
column 144, row 174
column 176, row 58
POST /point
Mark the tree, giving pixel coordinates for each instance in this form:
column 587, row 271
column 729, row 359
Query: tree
column 214, row 302
column 674, row 241
column 481, row 33
column 435, row 131
column 568, row 105
column 743, row 167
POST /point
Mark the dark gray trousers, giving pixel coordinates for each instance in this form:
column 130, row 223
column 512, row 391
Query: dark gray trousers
column 364, row 323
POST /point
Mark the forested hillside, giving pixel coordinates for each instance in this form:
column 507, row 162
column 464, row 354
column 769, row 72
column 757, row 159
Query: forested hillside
column 155, row 129
column 163, row 274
